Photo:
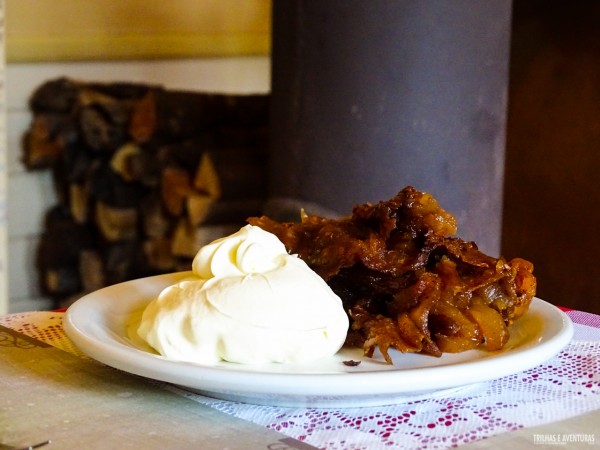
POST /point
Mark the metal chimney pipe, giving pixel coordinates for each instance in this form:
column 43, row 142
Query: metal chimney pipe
column 371, row 96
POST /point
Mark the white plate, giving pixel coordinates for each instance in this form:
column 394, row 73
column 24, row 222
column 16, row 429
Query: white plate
column 98, row 324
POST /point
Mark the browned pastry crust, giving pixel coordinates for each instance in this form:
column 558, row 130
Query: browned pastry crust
column 405, row 281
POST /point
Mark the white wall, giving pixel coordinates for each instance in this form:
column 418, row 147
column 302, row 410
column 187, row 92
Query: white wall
column 30, row 194
column 3, row 174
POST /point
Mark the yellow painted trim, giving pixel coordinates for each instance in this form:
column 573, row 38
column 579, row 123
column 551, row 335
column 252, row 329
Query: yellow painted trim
column 34, row 49
column 55, row 30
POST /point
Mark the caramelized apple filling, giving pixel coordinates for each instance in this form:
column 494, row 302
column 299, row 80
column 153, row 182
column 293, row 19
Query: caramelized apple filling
column 407, row 283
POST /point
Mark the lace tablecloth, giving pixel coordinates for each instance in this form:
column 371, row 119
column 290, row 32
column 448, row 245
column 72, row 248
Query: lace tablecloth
column 566, row 386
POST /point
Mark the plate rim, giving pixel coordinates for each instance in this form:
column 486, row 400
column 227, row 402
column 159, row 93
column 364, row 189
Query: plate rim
column 346, row 385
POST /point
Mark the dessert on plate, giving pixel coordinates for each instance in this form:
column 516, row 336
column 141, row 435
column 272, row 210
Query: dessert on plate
column 406, row 281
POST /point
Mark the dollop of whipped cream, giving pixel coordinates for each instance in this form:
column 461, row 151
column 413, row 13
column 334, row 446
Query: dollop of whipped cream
column 248, row 302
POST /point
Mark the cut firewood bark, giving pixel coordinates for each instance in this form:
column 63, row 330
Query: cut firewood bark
column 63, row 94
column 63, row 108
column 59, row 95
column 45, row 140
column 120, row 90
column 102, row 126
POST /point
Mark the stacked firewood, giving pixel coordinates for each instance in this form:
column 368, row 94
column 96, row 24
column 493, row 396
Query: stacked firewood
column 144, row 176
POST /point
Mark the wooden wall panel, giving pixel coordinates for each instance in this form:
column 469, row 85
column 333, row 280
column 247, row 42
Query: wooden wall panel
column 552, row 192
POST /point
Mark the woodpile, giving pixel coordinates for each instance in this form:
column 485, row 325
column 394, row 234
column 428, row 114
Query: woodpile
column 144, row 176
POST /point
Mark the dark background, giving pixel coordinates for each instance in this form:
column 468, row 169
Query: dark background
column 552, row 179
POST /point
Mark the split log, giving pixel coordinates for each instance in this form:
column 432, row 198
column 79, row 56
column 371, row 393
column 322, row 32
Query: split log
column 108, row 187
column 158, row 254
column 232, row 174
column 206, row 210
column 174, row 115
column 73, row 183
column 59, row 96
column 145, row 167
column 63, row 95
column 188, row 240
column 44, row 141
column 187, row 153
column 116, row 224
column 198, row 206
column 178, row 115
column 62, row 281
column 121, row 90
column 155, row 221
column 246, row 110
column 91, row 271
column 122, row 162
column 63, row 108
column 175, row 187
column 79, row 202
column 123, row 260
column 102, row 123
column 40, row 153
column 77, row 163
column 143, row 118
column 63, row 239
column 59, row 252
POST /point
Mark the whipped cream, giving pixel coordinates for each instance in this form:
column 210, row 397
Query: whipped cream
column 249, row 302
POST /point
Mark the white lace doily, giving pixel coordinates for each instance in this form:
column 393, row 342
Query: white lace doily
column 563, row 387
column 566, row 386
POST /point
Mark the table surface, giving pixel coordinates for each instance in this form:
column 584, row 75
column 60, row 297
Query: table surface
column 53, row 392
